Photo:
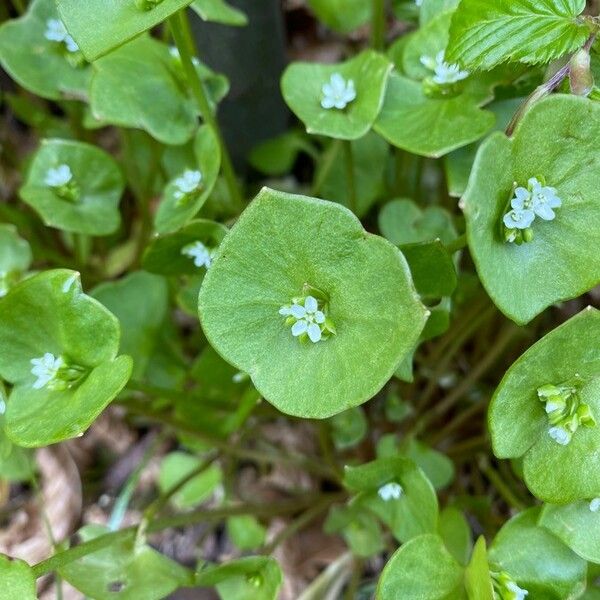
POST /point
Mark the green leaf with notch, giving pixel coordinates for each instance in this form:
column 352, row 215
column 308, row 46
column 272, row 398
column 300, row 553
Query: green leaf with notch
column 281, row 244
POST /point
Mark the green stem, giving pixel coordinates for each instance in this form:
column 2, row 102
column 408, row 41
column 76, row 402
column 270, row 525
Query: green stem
column 350, row 176
column 19, row 6
column 183, row 40
column 500, row 485
column 458, row 244
column 59, row 560
column 378, row 25
column 82, row 245
column 326, row 164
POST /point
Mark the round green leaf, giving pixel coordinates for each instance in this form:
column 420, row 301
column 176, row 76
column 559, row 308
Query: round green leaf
column 175, row 467
column 359, row 528
column 15, row 257
column 454, row 529
column 256, row 577
column 155, row 98
column 341, row 15
column 165, row 254
column 280, row 244
column 140, row 302
column 124, row 570
column 276, row 156
column 246, row 532
column 174, row 213
column 438, row 468
column 537, row 560
column 519, row 424
column 17, row 581
column 40, row 65
column 349, row 428
column 562, row 261
column 414, row 513
column 99, row 184
column 48, row 313
column 424, row 569
column 99, row 26
column 576, row 525
column 432, row 269
column 302, row 85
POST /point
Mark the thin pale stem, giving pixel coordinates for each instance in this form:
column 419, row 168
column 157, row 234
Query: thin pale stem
column 458, row 244
column 350, row 175
column 499, row 484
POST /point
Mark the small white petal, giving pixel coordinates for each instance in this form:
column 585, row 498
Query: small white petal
column 319, row 317
column 310, row 304
column 390, row 491
column 314, row 332
column 560, row 435
column 285, row 311
column 595, row 505
column 298, row 311
column 299, row 328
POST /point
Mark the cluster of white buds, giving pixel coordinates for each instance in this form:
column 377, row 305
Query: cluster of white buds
column 443, row 72
column 390, row 491
column 201, row 254
column 60, row 179
column 57, row 32
column 307, row 319
column 187, row 185
column 536, row 200
column 506, row 588
column 565, row 410
column 337, row 92
column 55, row 373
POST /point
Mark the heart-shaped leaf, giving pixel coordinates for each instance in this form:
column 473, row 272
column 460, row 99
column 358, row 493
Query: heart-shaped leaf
column 17, row 581
column 74, row 187
column 432, row 269
column 288, row 250
column 568, row 358
column 245, row 532
column 561, row 261
column 124, row 570
column 185, row 195
column 33, row 53
column 156, row 99
column 188, row 251
column 537, row 560
column 304, row 87
column 398, row 492
column 99, row 26
column 422, row 568
column 59, row 350
column 256, row 577
column 577, row 525
column 218, row 11
column 433, row 107
column 349, row 428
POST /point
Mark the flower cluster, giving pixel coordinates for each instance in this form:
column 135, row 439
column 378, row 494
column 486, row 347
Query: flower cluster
column 307, row 319
column 505, row 588
column 54, row 372
column 337, row 92
column 202, row 255
column 57, row 32
column 537, row 200
column 443, row 73
column 565, row 411
column 187, row 185
column 390, row 491
column 595, row 505
column 62, row 182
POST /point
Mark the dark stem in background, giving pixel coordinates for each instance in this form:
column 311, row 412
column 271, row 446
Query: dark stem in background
column 378, row 25
column 350, row 176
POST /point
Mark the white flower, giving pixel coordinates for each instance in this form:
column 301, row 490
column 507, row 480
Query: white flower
column 595, row 505
column 444, row 73
column 390, row 491
column 518, row 218
column 59, row 176
column 337, row 92
column 201, row 255
column 45, row 369
column 2, row 407
column 518, row 593
column 187, row 183
column 57, row 32
column 560, row 435
column 308, row 318
column 543, row 199
column 419, row 3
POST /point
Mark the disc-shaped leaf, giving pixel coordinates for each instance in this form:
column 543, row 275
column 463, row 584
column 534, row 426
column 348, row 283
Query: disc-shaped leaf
column 359, row 527
column 96, row 181
column 455, row 530
column 413, row 513
column 537, row 560
column 432, row 122
column 42, row 66
column 124, row 570
column 140, row 302
column 302, row 88
column 256, row 577
column 156, row 99
column 17, row 581
column 484, row 34
column 169, row 254
column 518, row 422
column 562, row 261
column 99, row 26
column 48, row 313
column 280, row 245
column 577, row 525
column 218, row 11
column 175, row 211
column 424, row 569
column 341, row 15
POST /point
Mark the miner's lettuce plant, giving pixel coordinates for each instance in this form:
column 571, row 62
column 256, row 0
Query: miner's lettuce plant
column 418, row 248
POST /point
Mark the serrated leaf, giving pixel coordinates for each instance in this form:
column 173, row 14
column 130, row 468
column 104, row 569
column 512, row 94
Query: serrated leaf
column 484, row 34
